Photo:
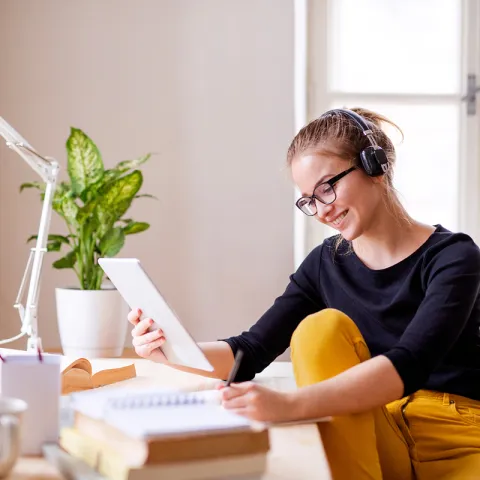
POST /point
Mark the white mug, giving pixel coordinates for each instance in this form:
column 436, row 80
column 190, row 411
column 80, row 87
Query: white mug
column 36, row 381
column 11, row 413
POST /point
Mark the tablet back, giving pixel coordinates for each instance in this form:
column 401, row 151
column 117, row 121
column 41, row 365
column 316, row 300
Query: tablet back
column 138, row 290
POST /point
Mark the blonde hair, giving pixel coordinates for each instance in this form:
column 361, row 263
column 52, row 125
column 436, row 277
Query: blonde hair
column 336, row 134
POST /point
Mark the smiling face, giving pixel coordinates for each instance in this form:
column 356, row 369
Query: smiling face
column 359, row 197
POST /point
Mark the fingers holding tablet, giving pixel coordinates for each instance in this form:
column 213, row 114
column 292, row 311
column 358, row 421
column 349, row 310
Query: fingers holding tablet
column 146, row 342
column 134, row 316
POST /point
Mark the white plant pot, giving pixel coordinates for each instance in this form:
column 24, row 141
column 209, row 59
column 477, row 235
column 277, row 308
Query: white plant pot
column 91, row 323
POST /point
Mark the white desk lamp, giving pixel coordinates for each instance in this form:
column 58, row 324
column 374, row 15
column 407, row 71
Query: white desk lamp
column 47, row 168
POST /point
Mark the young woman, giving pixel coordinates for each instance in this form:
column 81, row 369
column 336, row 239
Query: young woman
column 382, row 319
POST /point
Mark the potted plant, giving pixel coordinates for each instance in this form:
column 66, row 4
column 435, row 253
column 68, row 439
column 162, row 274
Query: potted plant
column 93, row 204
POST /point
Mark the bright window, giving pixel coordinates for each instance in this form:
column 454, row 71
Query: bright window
column 406, row 61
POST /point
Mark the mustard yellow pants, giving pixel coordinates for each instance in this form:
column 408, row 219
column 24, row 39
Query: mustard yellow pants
column 425, row 436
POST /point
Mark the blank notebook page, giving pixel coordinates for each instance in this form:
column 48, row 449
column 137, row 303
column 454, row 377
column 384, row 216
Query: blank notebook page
column 174, row 419
column 154, row 413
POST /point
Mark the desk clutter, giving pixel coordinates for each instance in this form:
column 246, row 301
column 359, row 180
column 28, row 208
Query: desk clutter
column 161, row 433
column 125, row 432
column 295, row 451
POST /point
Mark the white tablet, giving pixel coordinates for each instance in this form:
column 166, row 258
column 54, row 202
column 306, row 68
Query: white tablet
column 138, row 290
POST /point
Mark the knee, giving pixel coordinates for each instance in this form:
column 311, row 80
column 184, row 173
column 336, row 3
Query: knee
column 325, row 344
column 322, row 327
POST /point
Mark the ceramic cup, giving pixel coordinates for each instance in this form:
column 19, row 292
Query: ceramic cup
column 11, row 413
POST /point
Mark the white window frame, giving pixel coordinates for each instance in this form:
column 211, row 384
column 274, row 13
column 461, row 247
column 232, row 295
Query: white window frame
column 312, row 97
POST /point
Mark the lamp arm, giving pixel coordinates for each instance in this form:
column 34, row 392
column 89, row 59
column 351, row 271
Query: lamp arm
column 30, row 321
column 47, row 169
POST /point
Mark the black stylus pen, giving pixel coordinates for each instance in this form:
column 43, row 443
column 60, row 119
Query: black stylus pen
column 236, row 365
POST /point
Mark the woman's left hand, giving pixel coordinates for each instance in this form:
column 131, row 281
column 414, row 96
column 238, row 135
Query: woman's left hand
column 258, row 403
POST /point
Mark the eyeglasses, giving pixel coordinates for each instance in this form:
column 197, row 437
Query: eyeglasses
column 323, row 193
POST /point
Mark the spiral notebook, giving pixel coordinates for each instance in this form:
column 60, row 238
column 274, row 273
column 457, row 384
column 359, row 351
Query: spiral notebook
column 157, row 412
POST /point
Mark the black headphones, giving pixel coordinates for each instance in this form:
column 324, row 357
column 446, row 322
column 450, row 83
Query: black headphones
column 373, row 158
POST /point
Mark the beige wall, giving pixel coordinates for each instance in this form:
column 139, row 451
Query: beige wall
column 206, row 83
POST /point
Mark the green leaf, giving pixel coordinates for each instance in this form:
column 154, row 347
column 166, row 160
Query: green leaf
column 116, row 172
column 53, row 238
column 90, row 194
column 85, row 165
column 63, row 188
column 54, row 246
column 86, row 212
column 115, row 199
column 59, row 238
column 69, row 211
column 68, row 261
column 57, row 203
column 146, row 195
column 109, row 176
column 37, row 185
column 136, row 227
column 62, row 191
column 112, row 242
column 126, row 165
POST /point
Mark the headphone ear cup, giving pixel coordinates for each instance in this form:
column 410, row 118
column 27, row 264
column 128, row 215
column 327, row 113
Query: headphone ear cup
column 368, row 163
column 374, row 161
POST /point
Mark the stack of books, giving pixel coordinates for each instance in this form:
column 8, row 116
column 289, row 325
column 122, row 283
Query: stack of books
column 146, row 434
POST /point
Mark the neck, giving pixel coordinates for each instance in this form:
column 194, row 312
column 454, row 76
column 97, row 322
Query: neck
column 393, row 236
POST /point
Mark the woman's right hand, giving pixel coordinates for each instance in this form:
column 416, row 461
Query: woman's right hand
column 147, row 344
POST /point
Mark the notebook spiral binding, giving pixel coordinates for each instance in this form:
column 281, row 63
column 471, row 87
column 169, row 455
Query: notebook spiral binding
column 159, row 400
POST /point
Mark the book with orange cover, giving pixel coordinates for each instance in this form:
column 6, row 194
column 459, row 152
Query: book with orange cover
column 78, row 376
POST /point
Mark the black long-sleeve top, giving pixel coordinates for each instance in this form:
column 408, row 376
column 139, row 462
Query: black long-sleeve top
column 422, row 313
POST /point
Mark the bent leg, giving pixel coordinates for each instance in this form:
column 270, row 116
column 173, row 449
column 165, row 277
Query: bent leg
column 361, row 446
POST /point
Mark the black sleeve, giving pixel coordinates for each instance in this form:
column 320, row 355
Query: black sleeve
column 453, row 281
column 271, row 335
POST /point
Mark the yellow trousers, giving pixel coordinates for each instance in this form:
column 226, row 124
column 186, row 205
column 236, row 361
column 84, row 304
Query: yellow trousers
column 425, row 436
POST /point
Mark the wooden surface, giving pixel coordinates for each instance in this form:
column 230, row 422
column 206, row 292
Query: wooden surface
column 296, row 451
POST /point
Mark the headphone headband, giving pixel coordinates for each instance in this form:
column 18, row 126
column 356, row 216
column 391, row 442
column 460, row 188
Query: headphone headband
column 373, row 158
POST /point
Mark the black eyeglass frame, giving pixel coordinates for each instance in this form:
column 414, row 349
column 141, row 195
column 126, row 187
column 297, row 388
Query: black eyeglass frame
column 314, row 197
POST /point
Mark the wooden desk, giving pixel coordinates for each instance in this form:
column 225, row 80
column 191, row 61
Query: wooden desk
column 296, row 451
